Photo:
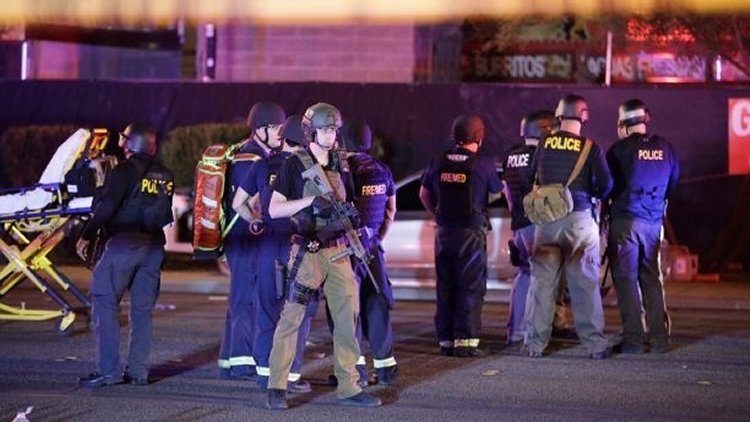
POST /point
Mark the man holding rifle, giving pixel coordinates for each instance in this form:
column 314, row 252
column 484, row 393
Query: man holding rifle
column 310, row 189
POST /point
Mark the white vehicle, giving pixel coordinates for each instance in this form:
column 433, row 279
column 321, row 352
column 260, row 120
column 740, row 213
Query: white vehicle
column 409, row 246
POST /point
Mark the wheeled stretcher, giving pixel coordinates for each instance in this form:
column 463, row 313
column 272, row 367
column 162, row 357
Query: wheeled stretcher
column 35, row 219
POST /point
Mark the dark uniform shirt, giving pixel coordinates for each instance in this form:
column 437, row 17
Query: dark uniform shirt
column 261, row 179
column 235, row 176
column 554, row 161
column 645, row 171
column 116, row 195
column 484, row 180
column 518, row 176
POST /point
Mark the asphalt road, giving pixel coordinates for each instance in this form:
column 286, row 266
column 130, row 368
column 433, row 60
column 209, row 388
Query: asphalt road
column 705, row 376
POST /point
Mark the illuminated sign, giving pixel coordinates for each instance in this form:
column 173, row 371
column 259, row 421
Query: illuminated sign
column 739, row 136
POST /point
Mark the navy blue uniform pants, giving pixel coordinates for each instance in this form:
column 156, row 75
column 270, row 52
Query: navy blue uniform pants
column 236, row 351
column 129, row 262
column 634, row 252
column 375, row 308
column 461, row 267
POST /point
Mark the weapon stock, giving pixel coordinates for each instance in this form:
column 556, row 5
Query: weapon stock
column 356, row 248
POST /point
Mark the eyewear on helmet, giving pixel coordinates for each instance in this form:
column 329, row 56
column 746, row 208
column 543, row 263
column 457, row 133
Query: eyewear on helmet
column 124, row 135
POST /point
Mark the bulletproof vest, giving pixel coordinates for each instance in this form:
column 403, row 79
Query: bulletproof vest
column 148, row 207
column 306, row 222
column 646, row 165
column 518, row 175
column 557, row 156
column 455, row 184
column 371, row 179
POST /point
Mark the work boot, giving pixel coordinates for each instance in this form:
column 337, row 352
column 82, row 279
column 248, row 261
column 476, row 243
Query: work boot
column 361, row 400
column 387, row 375
column 134, row 380
column 276, row 399
column 298, row 387
column 604, row 354
column 468, row 352
column 95, row 380
column 244, row 373
column 631, row 348
column 363, row 376
column 446, row 351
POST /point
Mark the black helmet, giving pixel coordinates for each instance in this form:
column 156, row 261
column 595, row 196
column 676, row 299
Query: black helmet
column 292, row 130
column 538, row 125
column 318, row 116
column 141, row 138
column 265, row 113
column 357, row 136
column 468, row 128
column 573, row 107
column 633, row 112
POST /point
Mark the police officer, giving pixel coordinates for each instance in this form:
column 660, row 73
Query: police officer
column 273, row 256
column 134, row 206
column 645, row 172
column 236, row 352
column 318, row 239
column 569, row 244
column 375, row 198
column 517, row 182
column 456, row 189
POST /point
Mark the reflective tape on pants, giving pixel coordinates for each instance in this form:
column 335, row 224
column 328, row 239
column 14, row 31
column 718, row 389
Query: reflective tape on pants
column 224, row 363
column 384, row 363
column 242, row 360
column 361, row 360
column 466, row 342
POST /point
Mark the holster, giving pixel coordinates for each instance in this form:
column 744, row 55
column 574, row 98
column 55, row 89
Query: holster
column 280, row 276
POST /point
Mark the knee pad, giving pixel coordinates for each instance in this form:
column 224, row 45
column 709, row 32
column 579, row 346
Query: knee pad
column 299, row 293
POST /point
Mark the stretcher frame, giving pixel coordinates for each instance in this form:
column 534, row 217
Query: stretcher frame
column 27, row 255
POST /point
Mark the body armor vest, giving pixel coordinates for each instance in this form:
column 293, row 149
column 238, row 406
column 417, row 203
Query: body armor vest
column 371, row 180
column 306, row 222
column 148, row 207
column 646, row 165
column 455, row 180
column 518, row 175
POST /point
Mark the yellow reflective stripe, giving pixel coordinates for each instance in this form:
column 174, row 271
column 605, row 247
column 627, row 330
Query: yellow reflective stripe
column 294, row 377
column 466, row 342
column 361, row 360
column 384, row 363
column 446, row 343
column 224, row 363
column 242, row 360
column 263, row 371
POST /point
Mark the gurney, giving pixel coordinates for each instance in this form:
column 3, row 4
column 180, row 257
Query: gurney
column 35, row 219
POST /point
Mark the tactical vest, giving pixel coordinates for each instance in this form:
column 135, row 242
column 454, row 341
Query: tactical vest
column 518, row 175
column 455, row 183
column 648, row 170
column 306, row 222
column 371, row 180
column 148, row 207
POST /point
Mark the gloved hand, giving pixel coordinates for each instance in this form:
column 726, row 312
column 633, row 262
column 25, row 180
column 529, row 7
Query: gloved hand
column 322, row 207
column 351, row 211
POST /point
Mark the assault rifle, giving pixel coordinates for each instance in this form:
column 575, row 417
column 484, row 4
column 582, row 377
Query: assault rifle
column 316, row 175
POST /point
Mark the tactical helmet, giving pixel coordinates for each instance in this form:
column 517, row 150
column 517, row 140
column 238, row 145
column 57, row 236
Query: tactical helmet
column 632, row 112
column 265, row 113
column 468, row 128
column 292, row 130
column 538, row 124
column 141, row 139
column 573, row 107
column 318, row 116
column 357, row 136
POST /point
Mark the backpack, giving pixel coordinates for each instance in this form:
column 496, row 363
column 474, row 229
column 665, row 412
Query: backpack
column 548, row 203
column 210, row 224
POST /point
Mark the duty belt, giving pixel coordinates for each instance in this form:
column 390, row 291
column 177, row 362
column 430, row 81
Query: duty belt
column 314, row 245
